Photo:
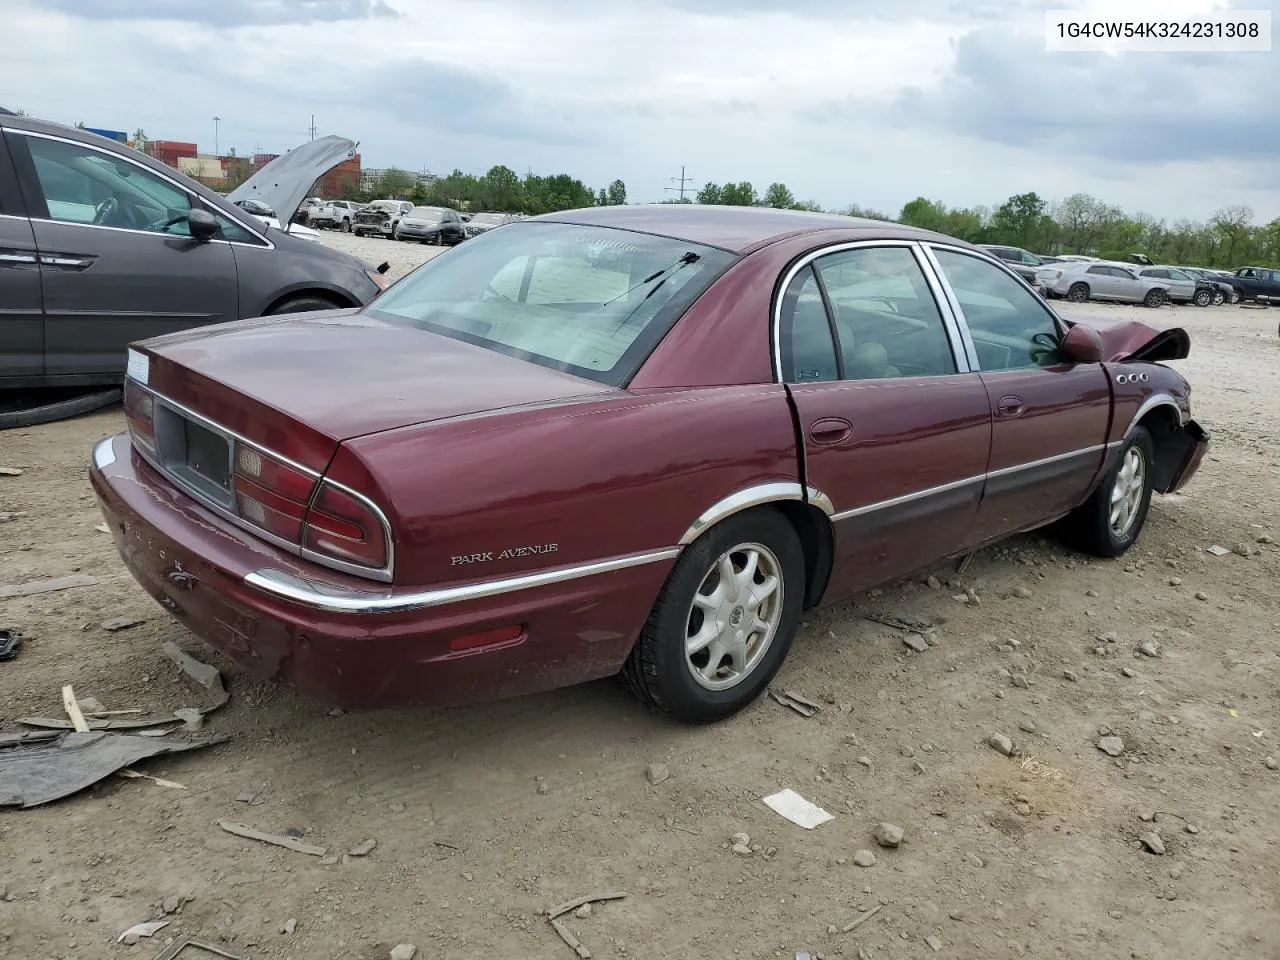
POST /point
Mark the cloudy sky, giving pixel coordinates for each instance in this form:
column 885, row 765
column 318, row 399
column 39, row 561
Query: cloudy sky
column 870, row 102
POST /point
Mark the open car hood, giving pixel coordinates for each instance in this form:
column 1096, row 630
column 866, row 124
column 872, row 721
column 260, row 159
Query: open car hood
column 285, row 182
column 1131, row 340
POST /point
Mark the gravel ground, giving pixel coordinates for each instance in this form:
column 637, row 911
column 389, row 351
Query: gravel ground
column 402, row 256
column 485, row 816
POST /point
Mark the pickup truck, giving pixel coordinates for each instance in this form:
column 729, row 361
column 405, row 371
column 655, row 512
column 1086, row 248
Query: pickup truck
column 335, row 214
column 1257, row 283
column 381, row 217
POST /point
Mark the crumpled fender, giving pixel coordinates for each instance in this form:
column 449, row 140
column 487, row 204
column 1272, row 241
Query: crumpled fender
column 1133, row 341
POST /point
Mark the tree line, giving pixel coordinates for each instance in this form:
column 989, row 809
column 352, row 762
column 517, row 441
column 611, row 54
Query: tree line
column 500, row 190
column 1080, row 224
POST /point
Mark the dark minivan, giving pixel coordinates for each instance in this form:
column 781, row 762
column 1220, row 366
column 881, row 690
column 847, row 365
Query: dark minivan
column 101, row 245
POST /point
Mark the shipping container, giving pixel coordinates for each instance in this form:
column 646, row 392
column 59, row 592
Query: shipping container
column 118, row 135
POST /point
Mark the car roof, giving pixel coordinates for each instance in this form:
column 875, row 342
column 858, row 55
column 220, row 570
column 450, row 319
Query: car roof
column 735, row 229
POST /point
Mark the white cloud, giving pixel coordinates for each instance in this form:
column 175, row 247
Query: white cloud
column 815, row 94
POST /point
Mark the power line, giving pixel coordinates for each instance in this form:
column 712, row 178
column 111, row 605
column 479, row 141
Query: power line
column 682, row 180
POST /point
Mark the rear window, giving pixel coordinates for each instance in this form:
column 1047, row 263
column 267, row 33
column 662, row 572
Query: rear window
column 590, row 301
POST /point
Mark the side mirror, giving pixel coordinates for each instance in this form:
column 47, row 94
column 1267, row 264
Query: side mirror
column 1083, row 344
column 203, row 225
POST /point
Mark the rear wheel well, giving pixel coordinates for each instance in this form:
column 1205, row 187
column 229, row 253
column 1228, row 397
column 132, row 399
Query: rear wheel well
column 1170, row 442
column 818, row 541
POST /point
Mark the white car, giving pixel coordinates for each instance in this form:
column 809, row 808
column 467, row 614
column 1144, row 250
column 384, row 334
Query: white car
column 1083, row 280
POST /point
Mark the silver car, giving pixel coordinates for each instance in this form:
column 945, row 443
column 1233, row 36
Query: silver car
column 1181, row 286
column 1083, row 280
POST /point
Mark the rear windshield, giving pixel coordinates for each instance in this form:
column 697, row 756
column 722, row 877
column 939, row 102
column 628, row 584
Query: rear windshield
column 590, row 301
column 426, row 213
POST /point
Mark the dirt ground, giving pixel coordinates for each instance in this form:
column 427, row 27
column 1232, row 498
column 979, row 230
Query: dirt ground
column 485, row 816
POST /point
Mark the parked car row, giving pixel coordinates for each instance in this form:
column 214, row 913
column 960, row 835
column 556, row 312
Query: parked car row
column 402, row 220
column 1080, row 277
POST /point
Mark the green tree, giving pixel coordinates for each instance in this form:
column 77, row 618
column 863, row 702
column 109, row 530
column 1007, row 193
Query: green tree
column 711, row 194
column 866, row 213
column 617, row 193
column 923, row 213
column 1020, row 220
column 140, row 140
column 741, row 194
column 779, row 196
column 394, row 183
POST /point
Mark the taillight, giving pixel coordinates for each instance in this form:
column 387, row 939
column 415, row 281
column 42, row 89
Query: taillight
column 139, row 412
column 271, row 494
column 346, row 528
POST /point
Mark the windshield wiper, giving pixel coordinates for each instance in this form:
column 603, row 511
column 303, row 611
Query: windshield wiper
column 681, row 261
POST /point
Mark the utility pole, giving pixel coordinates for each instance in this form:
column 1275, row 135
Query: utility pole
column 215, row 135
column 313, row 126
column 682, row 180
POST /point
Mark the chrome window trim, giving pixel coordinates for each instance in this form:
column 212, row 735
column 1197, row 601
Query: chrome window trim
column 342, row 600
column 155, row 173
column 384, row 574
column 962, row 348
column 775, row 313
column 932, row 245
column 970, row 480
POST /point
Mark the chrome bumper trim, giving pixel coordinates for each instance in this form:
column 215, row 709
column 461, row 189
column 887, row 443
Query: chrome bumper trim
column 342, row 600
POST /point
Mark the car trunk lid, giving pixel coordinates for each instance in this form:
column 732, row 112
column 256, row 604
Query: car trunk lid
column 303, row 383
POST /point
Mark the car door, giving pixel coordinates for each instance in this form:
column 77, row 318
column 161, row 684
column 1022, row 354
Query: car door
column 1127, row 285
column 1101, row 283
column 1269, row 284
column 1049, row 417
column 895, row 429
column 21, row 303
column 117, row 258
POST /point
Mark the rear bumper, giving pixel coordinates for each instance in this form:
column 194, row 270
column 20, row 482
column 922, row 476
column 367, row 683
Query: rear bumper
column 327, row 635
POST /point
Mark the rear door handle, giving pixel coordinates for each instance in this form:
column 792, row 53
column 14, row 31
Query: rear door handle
column 1010, row 406
column 830, row 430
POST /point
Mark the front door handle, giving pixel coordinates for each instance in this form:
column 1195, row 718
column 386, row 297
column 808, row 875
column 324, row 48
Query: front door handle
column 1010, row 406
column 830, row 430
column 65, row 262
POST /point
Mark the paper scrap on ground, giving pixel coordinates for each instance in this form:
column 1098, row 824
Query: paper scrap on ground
column 797, row 809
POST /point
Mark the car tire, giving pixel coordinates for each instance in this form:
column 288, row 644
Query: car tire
column 1235, row 296
column 1090, row 527
column 304, row 304
column 1202, row 298
column 61, row 410
column 1219, row 298
column 345, row 226
column 1078, row 293
column 1154, row 298
column 661, row 673
column 395, row 232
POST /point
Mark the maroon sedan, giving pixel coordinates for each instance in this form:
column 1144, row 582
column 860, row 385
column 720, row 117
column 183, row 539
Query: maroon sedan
column 638, row 439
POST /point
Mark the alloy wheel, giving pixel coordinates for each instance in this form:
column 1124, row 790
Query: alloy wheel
column 734, row 616
column 1126, row 492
